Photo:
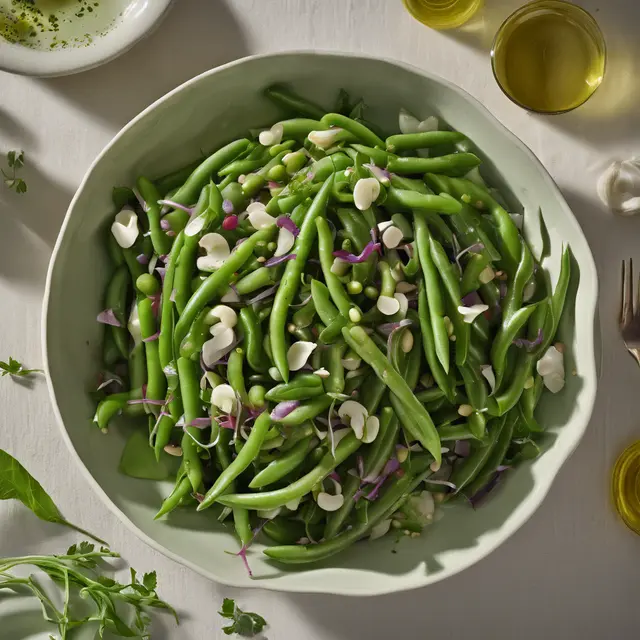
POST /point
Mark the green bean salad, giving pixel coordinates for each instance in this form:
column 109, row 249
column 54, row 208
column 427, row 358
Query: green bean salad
column 328, row 330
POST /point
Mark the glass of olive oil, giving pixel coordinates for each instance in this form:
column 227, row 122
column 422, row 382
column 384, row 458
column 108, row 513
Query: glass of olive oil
column 625, row 486
column 549, row 56
column 443, row 14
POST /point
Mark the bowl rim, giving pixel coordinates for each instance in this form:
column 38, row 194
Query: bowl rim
column 15, row 58
column 543, row 485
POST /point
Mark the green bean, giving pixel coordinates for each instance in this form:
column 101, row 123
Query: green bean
column 495, row 458
column 218, row 280
column 325, row 250
column 335, row 383
column 187, row 194
column 322, row 169
column 150, row 195
column 383, row 507
column 304, row 316
column 422, row 140
column 302, row 387
column 165, row 340
column 515, row 289
column 434, row 296
column 300, row 128
column 181, row 491
column 477, row 424
column 156, row 381
column 474, row 385
column 476, row 264
column 116, row 300
column 284, row 97
column 455, row 164
column 451, row 432
column 189, row 390
column 291, row 279
column 113, row 405
column 176, row 178
column 306, row 411
column 240, row 463
column 284, row 465
column 452, row 289
column 258, row 279
column 412, row 200
column 422, row 428
column 465, row 473
column 279, row 497
column 235, row 374
column 358, row 130
column 196, row 337
column 504, row 339
column 253, row 340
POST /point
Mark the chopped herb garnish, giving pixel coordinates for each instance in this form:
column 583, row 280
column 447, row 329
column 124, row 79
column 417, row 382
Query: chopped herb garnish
column 15, row 160
column 245, row 623
column 15, row 368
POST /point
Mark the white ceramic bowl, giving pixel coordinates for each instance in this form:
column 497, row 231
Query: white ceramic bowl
column 138, row 18
column 205, row 112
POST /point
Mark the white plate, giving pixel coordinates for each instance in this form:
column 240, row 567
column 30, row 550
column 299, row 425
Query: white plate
column 214, row 108
column 137, row 19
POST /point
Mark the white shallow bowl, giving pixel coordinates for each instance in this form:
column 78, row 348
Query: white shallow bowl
column 203, row 113
column 138, row 19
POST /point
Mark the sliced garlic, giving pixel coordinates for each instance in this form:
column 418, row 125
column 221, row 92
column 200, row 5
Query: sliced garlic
column 487, row 275
column 125, row 228
column 518, row 220
column 325, row 139
column 487, row 371
column 339, row 267
column 365, row 193
column 351, row 363
column 327, row 502
column 388, row 306
column 293, row 505
column 405, row 287
column 271, row 136
column 410, row 124
column 224, row 397
column 379, row 530
column 134, row 325
column 173, row 450
column 379, row 174
column 217, row 250
column 214, row 349
column 231, row 295
column 403, row 302
column 339, row 435
column 465, row 410
column 355, row 415
column 286, row 240
column 227, row 316
column 195, row 225
column 392, row 237
column 269, row 514
column 406, row 343
column 469, row 314
column 299, row 353
column 371, row 429
column 551, row 368
column 385, row 224
column 322, row 373
column 619, row 187
column 258, row 216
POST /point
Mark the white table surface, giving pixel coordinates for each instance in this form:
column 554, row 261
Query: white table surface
column 573, row 570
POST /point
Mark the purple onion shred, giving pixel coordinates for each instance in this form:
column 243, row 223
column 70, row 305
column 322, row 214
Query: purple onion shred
column 272, row 262
column 523, row 343
column 283, row 409
column 353, row 259
column 175, row 205
column 152, row 338
column 109, row 317
column 227, row 206
column 285, row 222
column 142, row 259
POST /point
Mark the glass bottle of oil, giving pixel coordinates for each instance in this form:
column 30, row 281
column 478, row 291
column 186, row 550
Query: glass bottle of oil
column 443, row 14
column 549, row 56
column 625, row 486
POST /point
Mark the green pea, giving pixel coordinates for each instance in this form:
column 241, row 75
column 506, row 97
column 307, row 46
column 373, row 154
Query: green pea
column 147, row 284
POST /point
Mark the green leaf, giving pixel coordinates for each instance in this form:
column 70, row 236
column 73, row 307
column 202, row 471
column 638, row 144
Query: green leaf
column 15, row 368
column 20, row 186
column 16, row 483
column 139, row 459
column 150, row 580
column 122, row 196
column 245, row 623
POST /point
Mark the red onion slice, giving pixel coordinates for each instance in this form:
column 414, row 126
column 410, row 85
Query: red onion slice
column 108, row 317
column 152, row 338
column 529, row 344
column 283, row 409
column 353, row 259
column 285, row 222
column 176, row 205
column 272, row 262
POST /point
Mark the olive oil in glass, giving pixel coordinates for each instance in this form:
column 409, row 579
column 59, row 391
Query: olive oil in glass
column 443, row 14
column 549, row 56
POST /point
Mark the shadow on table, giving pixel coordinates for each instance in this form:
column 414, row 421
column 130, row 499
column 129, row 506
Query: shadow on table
column 612, row 111
column 30, row 226
column 194, row 37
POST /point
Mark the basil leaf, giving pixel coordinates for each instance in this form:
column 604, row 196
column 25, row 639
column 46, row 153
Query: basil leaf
column 16, row 483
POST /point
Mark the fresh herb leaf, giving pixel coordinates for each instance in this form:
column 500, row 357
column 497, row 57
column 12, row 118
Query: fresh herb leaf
column 245, row 623
column 16, row 483
column 15, row 160
column 108, row 598
column 15, row 368
column 150, row 580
